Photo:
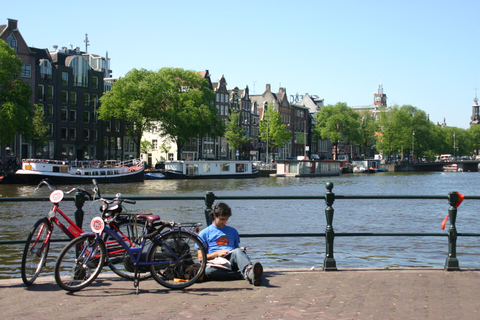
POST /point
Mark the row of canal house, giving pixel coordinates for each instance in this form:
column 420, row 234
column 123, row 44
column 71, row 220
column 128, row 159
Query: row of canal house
column 298, row 115
column 68, row 82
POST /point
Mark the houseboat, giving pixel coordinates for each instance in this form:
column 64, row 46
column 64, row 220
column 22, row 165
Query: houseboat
column 76, row 172
column 211, row 169
column 307, row 168
column 367, row 166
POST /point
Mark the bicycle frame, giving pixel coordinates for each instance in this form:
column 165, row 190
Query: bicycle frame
column 135, row 253
column 72, row 231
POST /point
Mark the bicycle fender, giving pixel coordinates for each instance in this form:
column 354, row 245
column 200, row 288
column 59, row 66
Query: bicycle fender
column 87, row 234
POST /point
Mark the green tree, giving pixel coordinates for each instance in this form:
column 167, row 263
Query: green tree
column 39, row 128
column 16, row 110
column 179, row 100
column 145, row 146
column 235, row 134
column 367, row 128
column 165, row 148
column 135, row 99
column 272, row 130
column 338, row 123
column 474, row 139
column 188, row 109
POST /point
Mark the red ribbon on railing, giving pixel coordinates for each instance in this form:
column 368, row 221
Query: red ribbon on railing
column 461, row 197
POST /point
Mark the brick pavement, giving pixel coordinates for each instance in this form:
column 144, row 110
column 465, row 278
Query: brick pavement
column 284, row 294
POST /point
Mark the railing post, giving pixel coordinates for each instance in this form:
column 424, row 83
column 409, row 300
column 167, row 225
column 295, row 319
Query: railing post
column 329, row 263
column 79, row 199
column 451, row 264
column 209, row 199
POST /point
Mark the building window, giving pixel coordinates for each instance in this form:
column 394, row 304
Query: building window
column 49, row 111
column 155, row 144
column 50, row 129
column 95, row 82
column 112, row 143
column 73, row 97
column 26, row 71
column 65, row 78
column 80, row 69
column 119, row 143
column 50, row 92
column 86, row 116
column 63, row 132
column 73, row 115
column 73, row 134
column 86, row 99
column 86, row 134
column 64, row 97
column 40, row 92
column 45, row 69
column 95, row 134
column 12, row 42
column 64, row 115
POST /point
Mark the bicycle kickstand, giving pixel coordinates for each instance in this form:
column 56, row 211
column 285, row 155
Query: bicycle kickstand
column 136, row 280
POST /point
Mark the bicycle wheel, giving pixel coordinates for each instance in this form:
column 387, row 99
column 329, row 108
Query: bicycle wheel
column 36, row 251
column 80, row 262
column 119, row 260
column 175, row 253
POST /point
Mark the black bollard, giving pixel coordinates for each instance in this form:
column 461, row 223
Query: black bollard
column 79, row 202
column 329, row 263
column 451, row 264
column 209, row 199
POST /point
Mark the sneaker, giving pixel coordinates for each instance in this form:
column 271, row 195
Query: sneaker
column 254, row 273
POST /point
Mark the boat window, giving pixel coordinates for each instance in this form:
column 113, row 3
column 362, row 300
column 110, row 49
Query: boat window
column 109, row 172
column 240, row 167
column 102, row 173
column 88, row 173
column 206, row 167
column 224, row 166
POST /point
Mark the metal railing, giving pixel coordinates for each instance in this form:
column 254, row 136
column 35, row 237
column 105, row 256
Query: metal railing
column 329, row 197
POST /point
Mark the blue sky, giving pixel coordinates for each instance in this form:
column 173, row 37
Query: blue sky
column 425, row 53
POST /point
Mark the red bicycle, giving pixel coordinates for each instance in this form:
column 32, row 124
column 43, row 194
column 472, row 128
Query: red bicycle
column 38, row 241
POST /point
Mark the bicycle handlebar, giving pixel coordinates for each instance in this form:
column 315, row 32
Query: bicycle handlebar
column 82, row 190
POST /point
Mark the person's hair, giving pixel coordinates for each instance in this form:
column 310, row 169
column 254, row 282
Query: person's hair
column 220, row 210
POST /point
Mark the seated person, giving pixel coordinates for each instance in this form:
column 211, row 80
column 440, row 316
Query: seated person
column 226, row 260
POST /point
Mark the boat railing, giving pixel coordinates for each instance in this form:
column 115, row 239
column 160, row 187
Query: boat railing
column 454, row 199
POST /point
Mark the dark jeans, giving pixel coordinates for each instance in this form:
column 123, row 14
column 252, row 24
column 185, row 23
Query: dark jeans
column 239, row 260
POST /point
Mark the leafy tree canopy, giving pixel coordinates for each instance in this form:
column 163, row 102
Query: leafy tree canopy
column 235, row 134
column 16, row 110
column 179, row 99
column 272, row 129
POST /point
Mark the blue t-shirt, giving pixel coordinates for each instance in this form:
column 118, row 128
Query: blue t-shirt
column 217, row 239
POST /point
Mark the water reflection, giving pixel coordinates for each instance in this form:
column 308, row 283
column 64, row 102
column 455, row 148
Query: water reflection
column 289, row 216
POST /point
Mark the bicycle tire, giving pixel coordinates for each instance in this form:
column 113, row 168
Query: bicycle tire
column 184, row 246
column 36, row 251
column 75, row 269
column 119, row 261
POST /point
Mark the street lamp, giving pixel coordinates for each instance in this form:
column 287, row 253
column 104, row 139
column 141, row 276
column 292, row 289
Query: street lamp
column 413, row 146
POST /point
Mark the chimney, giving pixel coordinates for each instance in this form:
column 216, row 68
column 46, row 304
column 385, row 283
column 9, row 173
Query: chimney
column 268, row 87
column 12, row 24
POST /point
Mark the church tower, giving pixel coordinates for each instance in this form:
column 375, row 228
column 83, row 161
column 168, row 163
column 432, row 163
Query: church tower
column 475, row 112
column 379, row 98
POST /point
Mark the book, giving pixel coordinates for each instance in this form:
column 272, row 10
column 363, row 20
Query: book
column 220, row 262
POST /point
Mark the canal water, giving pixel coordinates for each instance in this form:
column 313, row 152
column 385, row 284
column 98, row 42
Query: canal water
column 289, row 216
